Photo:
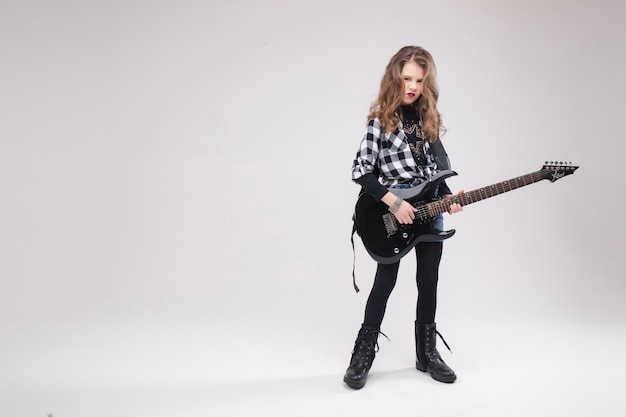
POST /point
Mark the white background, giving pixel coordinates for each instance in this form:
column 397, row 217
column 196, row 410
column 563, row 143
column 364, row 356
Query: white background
column 176, row 203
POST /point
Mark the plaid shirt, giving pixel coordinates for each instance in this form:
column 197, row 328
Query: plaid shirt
column 389, row 158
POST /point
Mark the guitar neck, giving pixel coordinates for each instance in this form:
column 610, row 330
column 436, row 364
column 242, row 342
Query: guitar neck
column 442, row 206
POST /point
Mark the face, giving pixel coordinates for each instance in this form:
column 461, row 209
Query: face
column 413, row 77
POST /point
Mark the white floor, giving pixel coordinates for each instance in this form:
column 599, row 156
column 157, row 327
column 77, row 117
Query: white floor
column 523, row 369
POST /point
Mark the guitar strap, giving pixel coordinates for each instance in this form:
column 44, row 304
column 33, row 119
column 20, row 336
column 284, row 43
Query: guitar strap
column 356, row 288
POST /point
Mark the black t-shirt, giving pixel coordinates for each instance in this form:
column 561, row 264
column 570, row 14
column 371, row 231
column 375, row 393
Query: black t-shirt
column 414, row 134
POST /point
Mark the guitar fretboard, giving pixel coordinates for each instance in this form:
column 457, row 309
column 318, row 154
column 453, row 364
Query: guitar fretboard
column 442, row 206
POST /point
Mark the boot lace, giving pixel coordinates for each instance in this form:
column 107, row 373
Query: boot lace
column 443, row 340
column 366, row 344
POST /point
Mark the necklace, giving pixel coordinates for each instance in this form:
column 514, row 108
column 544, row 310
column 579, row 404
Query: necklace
column 417, row 152
column 409, row 130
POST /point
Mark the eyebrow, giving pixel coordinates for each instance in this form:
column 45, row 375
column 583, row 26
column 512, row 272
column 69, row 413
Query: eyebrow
column 418, row 79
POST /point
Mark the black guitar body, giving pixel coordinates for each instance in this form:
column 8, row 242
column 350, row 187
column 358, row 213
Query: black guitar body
column 385, row 239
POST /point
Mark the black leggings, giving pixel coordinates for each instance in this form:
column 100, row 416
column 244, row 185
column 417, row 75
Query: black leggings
column 428, row 258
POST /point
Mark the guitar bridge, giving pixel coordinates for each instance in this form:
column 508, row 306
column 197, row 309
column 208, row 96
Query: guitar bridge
column 391, row 224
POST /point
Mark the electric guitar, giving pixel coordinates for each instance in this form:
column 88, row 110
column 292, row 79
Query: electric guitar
column 386, row 240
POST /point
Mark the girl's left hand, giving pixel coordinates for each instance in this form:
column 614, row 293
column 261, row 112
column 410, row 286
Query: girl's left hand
column 456, row 207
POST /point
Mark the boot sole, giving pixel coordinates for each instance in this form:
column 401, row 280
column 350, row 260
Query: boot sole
column 446, row 380
column 354, row 384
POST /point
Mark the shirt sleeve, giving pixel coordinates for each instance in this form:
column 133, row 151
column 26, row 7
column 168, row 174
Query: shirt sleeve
column 443, row 163
column 366, row 158
column 444, row 189
column 371, row 186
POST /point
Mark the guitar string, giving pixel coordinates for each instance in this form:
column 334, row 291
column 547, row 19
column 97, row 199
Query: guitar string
column 440, row 205
column 476, row 195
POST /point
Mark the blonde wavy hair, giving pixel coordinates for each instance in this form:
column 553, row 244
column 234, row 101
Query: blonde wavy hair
column 386, row 106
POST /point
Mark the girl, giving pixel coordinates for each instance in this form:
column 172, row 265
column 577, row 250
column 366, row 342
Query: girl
column 401, row 149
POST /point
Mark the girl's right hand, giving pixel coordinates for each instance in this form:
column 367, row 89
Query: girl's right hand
column 406, row 213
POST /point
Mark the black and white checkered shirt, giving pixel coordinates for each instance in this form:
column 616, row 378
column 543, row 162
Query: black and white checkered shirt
column 388, row 156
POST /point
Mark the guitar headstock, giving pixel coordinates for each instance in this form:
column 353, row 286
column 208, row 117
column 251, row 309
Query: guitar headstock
column 556, row 170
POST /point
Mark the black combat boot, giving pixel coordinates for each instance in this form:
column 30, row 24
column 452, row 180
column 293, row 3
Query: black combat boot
column 365, row 348
column 427, row 356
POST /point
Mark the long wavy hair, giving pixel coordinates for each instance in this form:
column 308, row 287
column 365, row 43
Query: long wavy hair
column 386, row 106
